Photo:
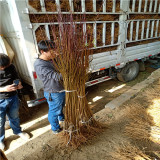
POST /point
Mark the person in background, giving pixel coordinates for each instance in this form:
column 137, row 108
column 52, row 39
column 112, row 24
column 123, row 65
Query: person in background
column 53, row 88
column 9, row 101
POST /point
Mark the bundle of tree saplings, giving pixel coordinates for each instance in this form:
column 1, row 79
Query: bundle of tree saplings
column 127, row 151
column 143, row 124
column 73, row 63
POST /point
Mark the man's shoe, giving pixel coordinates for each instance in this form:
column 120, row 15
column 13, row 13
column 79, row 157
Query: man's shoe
column 57, row 131
column 2, row 146
column 62, row 120
column 24, row 135
column 61, row 123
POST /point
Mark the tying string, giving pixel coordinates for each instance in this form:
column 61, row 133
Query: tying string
column 70, row 135
column 83, row 96
column 84, row 122
column 70, row 131
column 69, row 91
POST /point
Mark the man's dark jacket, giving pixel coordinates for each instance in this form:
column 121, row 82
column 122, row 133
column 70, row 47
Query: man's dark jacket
column 48, row 75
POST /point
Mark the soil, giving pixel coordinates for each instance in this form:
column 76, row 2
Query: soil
column 114, row 143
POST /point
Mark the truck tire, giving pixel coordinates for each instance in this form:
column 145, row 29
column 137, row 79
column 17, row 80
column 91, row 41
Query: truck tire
column 128, row 72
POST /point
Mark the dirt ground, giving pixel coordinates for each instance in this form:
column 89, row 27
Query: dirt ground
column 132, row 130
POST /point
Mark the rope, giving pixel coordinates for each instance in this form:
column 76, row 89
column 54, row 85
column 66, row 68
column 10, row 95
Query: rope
column 86, row 121
column 83, row 96
column 70, row 131
column 69, row 91
column 70, row 135
column 66, row 91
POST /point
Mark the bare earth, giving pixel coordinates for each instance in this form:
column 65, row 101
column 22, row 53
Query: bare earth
column 116, row 142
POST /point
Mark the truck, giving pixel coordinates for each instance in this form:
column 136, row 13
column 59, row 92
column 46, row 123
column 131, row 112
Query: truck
column 126, row 33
